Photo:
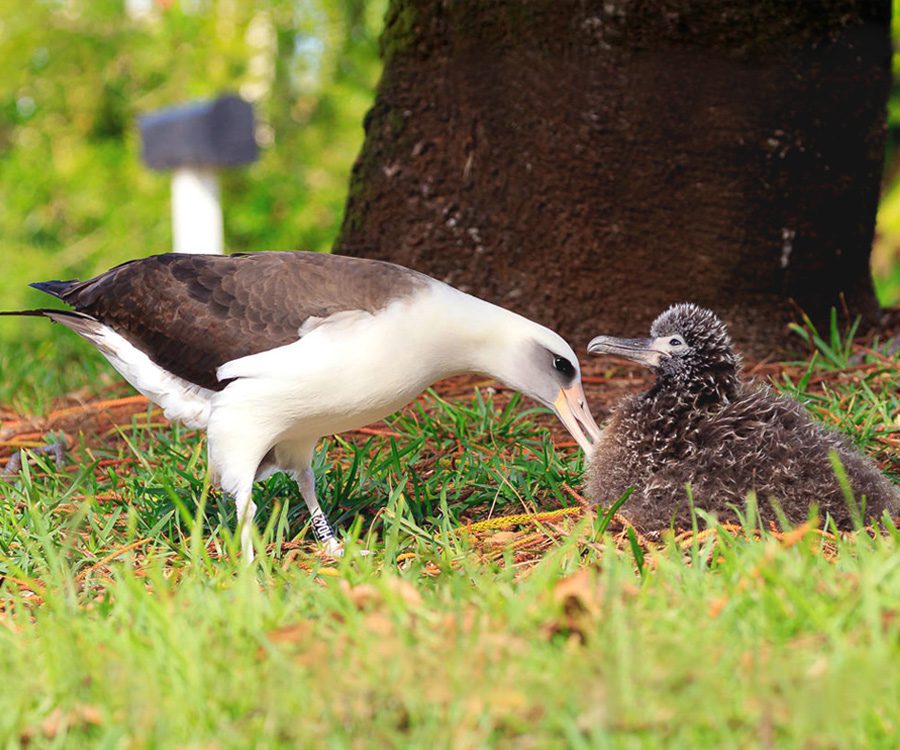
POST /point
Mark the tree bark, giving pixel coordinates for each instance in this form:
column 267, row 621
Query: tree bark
column 589, row 163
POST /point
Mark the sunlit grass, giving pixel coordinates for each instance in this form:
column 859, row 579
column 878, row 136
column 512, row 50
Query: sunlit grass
column 852, row 388
column 126, row 618
column 735, row 643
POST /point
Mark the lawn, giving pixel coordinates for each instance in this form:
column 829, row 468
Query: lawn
column 495, row 609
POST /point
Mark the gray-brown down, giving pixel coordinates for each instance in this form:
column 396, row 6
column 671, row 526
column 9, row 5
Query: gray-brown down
column 702, row 425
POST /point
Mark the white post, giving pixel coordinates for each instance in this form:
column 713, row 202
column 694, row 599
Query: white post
column 196, row 211
column 139, row 9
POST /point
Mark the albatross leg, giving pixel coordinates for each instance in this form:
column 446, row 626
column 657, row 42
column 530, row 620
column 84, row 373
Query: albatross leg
column 321, row 528
column 241, row 491
column 294, row 456
column 14, row 465
column 246, row 511
column 237, row 449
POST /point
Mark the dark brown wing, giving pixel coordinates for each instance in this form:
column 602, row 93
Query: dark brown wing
column 193, row 313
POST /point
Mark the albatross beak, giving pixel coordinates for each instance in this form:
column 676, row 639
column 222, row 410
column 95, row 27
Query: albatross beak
column 638, row 350
column 572, row 409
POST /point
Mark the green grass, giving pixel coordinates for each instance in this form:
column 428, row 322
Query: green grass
column 126, row 619
column 767, row 646
column 852, row 388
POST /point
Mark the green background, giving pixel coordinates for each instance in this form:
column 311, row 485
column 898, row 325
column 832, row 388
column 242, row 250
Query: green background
column 74, row 196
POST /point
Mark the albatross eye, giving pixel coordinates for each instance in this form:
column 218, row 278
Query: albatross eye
column 675, row 342
column 564, row 366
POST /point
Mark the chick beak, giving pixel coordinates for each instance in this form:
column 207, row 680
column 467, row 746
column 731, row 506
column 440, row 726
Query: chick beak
column 644, row 351
column 572, row 409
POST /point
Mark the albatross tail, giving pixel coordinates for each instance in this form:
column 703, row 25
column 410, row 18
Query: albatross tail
column 83, row 325
column 57, row 289
column 67, row 317
column 60, row 290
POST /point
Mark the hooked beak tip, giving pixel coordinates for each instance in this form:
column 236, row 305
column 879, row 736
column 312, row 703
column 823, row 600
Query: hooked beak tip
column 572, row 410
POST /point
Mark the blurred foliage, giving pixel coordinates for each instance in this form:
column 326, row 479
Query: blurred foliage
column 886, row 249
column 74, row 76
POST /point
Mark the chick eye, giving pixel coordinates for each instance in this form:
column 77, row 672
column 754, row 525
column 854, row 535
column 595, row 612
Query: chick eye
column 675, row 342
column 564, row 366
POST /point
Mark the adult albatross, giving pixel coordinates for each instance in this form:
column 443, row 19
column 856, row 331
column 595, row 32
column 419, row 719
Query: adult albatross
column 271, row 351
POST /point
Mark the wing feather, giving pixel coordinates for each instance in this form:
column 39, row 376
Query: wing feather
column 193, row 313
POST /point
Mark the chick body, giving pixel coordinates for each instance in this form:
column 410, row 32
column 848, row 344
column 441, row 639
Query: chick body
column 702, row 425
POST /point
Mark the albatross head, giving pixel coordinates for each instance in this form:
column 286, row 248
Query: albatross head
column 539, row 363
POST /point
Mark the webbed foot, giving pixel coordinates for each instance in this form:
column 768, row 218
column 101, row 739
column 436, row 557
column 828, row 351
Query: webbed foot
column 14, row 465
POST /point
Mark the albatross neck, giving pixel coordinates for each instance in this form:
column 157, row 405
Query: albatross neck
column 478, row 336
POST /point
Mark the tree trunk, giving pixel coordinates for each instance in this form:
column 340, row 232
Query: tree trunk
column 589, row 163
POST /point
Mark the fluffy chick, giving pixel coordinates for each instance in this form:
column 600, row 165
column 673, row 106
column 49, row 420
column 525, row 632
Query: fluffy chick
column 702, row 425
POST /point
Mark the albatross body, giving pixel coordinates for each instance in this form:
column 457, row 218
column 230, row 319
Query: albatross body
column 271, row 351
